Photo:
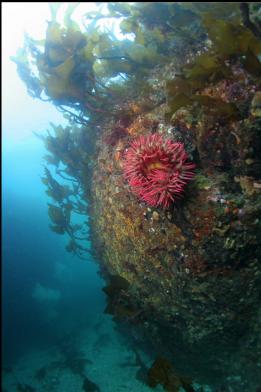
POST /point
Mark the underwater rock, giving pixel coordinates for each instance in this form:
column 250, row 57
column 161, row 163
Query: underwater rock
column 194, row 271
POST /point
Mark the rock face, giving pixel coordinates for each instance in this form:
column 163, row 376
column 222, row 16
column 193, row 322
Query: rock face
column 193, row 269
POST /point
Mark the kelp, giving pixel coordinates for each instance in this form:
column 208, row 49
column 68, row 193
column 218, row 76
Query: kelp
column 54, row 8
column 182, row 93
column 118, row 301
column 231, row 11
column 214, row 65
column 68, row 197
column 73, row 67
column 55, row 190
column 60, row 217
column 162, row 372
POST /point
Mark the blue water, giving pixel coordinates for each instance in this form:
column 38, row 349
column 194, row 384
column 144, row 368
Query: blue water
column 33, row 254
column 67, row 320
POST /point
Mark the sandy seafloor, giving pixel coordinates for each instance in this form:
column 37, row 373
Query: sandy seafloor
column 107, row 361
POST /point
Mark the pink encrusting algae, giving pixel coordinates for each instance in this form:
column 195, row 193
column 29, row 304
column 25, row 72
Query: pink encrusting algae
column 157, row 169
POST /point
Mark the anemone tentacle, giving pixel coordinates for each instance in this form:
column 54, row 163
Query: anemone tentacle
column 157, row 170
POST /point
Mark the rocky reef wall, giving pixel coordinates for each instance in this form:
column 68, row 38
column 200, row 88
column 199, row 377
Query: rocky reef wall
column 193, row 269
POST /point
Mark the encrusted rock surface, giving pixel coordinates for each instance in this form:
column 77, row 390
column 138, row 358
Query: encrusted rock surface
column 194, row 269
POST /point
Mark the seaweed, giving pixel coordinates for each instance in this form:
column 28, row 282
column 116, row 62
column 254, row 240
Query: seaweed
column 118, row 300
column 67, row 198
column 75, row 67
column 162, row 372
column 114, row 291
column 215, row 64
column 116, row 285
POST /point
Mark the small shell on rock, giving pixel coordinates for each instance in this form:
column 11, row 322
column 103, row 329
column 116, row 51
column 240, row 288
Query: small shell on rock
column 155, row 216
column 255, row 108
